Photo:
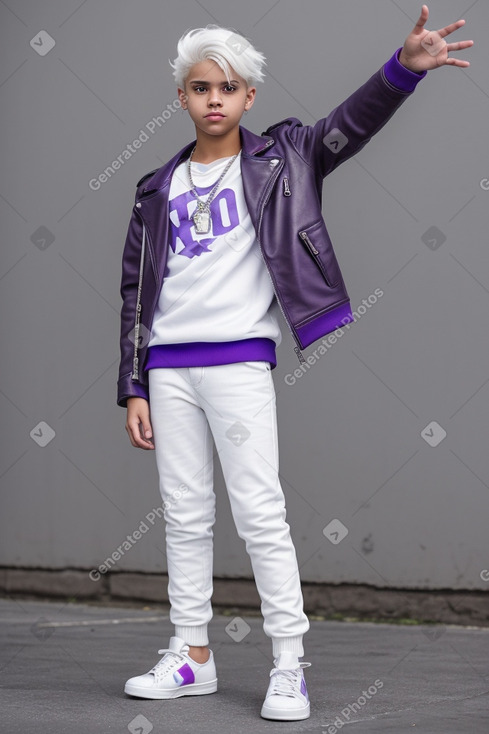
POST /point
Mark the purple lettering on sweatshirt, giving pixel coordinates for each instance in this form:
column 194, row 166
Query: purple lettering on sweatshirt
column 184, row 206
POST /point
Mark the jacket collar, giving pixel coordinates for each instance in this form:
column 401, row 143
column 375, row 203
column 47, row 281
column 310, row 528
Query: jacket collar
column 251, row 144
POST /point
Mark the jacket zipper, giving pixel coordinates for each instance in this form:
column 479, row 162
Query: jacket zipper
column 287, row 191
column 305, row 237
column 135, row 361
column 298, row 348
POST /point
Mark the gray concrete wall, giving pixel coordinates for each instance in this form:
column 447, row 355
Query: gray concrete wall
column 408, row 215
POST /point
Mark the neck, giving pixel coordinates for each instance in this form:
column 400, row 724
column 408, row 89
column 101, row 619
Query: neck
column 209, row 148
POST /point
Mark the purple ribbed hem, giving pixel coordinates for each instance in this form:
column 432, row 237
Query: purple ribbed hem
column 203, row 354
column 399, row 76
column 322, row 325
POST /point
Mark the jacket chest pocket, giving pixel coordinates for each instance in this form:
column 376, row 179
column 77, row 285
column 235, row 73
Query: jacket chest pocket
column 316, row 241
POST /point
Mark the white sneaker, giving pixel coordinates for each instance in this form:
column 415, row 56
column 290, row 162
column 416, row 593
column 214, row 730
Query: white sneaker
column 287, row 698
column 176, row 674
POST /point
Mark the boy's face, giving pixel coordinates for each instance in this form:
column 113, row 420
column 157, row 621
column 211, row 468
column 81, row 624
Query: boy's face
column 215, row 105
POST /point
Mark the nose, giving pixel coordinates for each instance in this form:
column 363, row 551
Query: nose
column 215, row 98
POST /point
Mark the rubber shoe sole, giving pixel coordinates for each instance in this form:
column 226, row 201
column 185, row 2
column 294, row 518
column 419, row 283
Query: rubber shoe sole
column 286, row 714
column 192, row 689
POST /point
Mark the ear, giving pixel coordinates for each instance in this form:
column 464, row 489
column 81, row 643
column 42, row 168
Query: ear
column 250, row 98
column 182, row 97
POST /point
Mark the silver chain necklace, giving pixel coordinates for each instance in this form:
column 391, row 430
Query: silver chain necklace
column 202, row 216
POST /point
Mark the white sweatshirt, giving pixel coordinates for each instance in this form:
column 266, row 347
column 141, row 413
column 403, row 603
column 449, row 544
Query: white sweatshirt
column 216, row 286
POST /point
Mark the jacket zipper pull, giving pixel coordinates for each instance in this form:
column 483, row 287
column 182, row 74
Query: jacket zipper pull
column 308, row 242
column 287, row 191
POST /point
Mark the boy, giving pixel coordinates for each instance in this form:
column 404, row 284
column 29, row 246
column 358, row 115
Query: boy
column 221, row 236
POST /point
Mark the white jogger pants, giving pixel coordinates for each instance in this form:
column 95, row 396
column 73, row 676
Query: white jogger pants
column 234, row 405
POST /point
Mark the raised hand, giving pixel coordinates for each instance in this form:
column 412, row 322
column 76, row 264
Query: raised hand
column 424, row 50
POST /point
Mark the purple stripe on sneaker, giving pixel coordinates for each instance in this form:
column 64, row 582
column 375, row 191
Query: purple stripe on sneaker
column 304, row 689
column 184, row 675
column 203, row 354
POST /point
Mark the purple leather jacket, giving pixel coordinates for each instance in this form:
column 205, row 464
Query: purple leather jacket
column 282, row 171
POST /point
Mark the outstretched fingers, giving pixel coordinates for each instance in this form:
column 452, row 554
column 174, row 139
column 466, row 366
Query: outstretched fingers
column 458, row 46
column 451, row 28
column 420, row 23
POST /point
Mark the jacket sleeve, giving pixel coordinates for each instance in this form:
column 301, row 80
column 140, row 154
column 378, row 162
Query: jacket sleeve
column 126, row 386
column 346, row 129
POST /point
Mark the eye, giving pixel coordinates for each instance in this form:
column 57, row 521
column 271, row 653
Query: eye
column 230, row 88
column 196, row 89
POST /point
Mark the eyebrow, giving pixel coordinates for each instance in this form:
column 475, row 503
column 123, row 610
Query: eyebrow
column 197, row 81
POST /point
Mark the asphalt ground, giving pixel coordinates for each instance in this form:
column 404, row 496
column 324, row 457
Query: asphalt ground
column 63, row 668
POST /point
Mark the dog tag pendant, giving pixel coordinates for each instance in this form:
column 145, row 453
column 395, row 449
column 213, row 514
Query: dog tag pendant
column 202, row 221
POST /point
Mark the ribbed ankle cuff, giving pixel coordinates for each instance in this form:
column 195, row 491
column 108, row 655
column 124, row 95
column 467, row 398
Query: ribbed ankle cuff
column 196, row 636
column 290, row 644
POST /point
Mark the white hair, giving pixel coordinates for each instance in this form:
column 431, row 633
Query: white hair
column 222, row 45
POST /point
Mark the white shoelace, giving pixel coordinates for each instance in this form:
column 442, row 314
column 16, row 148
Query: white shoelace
column 169, row 660
column 284, row 682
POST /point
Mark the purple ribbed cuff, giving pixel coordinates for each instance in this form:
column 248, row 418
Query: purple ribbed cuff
column 399, row 76
column 322, row 325
column 203, row 354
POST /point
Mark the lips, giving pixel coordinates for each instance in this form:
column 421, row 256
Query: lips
column 215, row 115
